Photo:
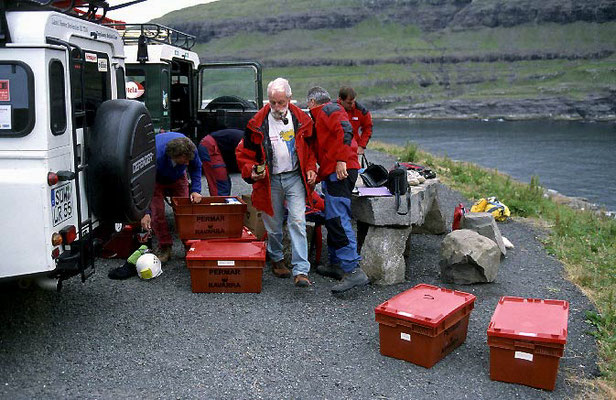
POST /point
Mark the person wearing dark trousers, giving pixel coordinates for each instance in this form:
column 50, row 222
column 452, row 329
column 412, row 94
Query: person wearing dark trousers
column 337, row 173
column 227, row 140
column 214, row 167
column 175, row 156
column 359, row 117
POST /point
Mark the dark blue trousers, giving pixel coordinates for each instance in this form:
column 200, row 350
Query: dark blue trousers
column 341, row 239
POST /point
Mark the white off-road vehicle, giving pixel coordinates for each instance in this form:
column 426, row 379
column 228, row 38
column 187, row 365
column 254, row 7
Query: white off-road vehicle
column 181, row 93
column 75, row 155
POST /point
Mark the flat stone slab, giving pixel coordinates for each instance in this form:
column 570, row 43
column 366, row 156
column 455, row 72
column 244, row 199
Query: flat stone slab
column 381, row 211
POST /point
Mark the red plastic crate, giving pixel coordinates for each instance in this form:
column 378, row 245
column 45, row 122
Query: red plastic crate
column 213, row 217
column 247, row 236
column 423, row 324
column 226, row 266
column 527, row 338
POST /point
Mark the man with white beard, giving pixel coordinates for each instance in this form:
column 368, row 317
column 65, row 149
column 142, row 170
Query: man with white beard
column 276, row 157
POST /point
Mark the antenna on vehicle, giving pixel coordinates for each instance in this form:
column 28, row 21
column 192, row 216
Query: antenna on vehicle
column 142, row 49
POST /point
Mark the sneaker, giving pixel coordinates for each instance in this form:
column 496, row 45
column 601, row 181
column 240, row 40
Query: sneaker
column 163, row 253
column 124, row 272
column 331, row 271
column 351, row 280
column 302, row 280
column 280, row 270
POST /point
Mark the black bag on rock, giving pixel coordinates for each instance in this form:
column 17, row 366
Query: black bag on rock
column 374, row 175
column 398, row 185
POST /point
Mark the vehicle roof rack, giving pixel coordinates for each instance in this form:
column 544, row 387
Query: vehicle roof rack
column 91, row 10
column 154, row 33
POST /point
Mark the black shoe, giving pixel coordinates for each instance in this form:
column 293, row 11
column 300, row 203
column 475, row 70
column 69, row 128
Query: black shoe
column 351, row 280
column 331, row 271
column 124, row 272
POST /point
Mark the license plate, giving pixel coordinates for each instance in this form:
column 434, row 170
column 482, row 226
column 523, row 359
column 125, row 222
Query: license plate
column 61, row 203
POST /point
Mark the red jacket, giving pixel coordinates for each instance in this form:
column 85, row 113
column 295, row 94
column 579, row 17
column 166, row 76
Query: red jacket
column 253, row 150
column 360, row 117
column 334, row 141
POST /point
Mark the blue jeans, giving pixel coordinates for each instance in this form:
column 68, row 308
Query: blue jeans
column 289, row 187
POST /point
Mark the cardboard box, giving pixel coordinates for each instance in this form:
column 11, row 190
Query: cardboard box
column 252, row 218
column 423, row 324
column 527, row 338
column 226, row 266
column 213, row 217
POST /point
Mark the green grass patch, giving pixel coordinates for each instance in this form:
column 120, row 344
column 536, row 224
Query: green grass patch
column 584, row 241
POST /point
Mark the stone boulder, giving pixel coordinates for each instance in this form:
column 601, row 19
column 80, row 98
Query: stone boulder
column 468, row 257
column 382, row 254
column 484, row 224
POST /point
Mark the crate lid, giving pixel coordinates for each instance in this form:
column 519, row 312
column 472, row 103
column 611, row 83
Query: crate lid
column 231, row 250
column 247, row 236
column 530, row 319
column 425, row 304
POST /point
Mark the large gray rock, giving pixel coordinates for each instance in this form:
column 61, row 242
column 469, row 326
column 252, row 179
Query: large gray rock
column 434, row 222
column 381, row 211
column 468, row 257
column 382, row 254
column 484, row 224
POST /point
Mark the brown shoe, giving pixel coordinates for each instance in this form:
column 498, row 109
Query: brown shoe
column 302, row 280
column 280, row 270
column 163, row 253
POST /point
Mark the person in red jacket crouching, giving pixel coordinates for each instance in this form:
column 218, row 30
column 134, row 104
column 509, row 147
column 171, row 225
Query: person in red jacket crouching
column 338, row 167
column 276, row 157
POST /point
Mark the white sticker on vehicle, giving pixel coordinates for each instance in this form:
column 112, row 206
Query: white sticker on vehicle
column 61, row 203
column 223, row 263
column 5, row 117
column 102, row 65
column 91, row 57
column 405, row 336
column 523, row 356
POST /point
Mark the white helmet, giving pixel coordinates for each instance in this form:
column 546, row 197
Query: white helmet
column 148, row 266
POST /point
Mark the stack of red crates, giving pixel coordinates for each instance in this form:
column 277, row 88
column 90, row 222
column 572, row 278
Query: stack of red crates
column 423, row 324
column 224, row 255
column 527, row 338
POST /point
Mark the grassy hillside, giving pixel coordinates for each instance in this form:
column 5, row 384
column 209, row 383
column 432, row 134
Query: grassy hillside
column 391, row 58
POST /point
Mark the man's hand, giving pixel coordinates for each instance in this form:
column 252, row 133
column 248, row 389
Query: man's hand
column 256, row 177
column 311, row 178
column 146, row 222
column 341, row 171
column 195, row 197
column 360, row 150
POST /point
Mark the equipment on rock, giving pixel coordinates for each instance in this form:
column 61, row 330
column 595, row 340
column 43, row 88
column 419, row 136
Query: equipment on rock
column 398, row 185
column 373, row 175
column 493, row 206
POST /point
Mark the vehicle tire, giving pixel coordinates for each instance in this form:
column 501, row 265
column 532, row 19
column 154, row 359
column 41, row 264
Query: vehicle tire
column 230, row 102
column 121, row 157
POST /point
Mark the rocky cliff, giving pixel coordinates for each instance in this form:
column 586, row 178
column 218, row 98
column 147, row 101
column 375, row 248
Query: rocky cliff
column 430, row 15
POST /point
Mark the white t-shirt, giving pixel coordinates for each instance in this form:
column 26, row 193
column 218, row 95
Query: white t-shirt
column 282, row 137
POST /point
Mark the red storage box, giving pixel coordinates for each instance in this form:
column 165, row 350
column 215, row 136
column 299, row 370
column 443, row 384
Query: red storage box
column 213, row 217
column 247, row 236
column 527, row 338
column 231, row 266
column 423, row 324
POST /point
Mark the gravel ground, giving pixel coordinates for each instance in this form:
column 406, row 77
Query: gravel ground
column 156, row 339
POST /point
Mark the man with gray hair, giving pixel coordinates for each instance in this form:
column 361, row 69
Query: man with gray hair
column 337, row 172
column 276, row 157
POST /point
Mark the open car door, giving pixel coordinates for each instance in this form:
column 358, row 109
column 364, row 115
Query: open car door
column 229, row 95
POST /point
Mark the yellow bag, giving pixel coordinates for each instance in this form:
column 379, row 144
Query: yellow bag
column 493, row 206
